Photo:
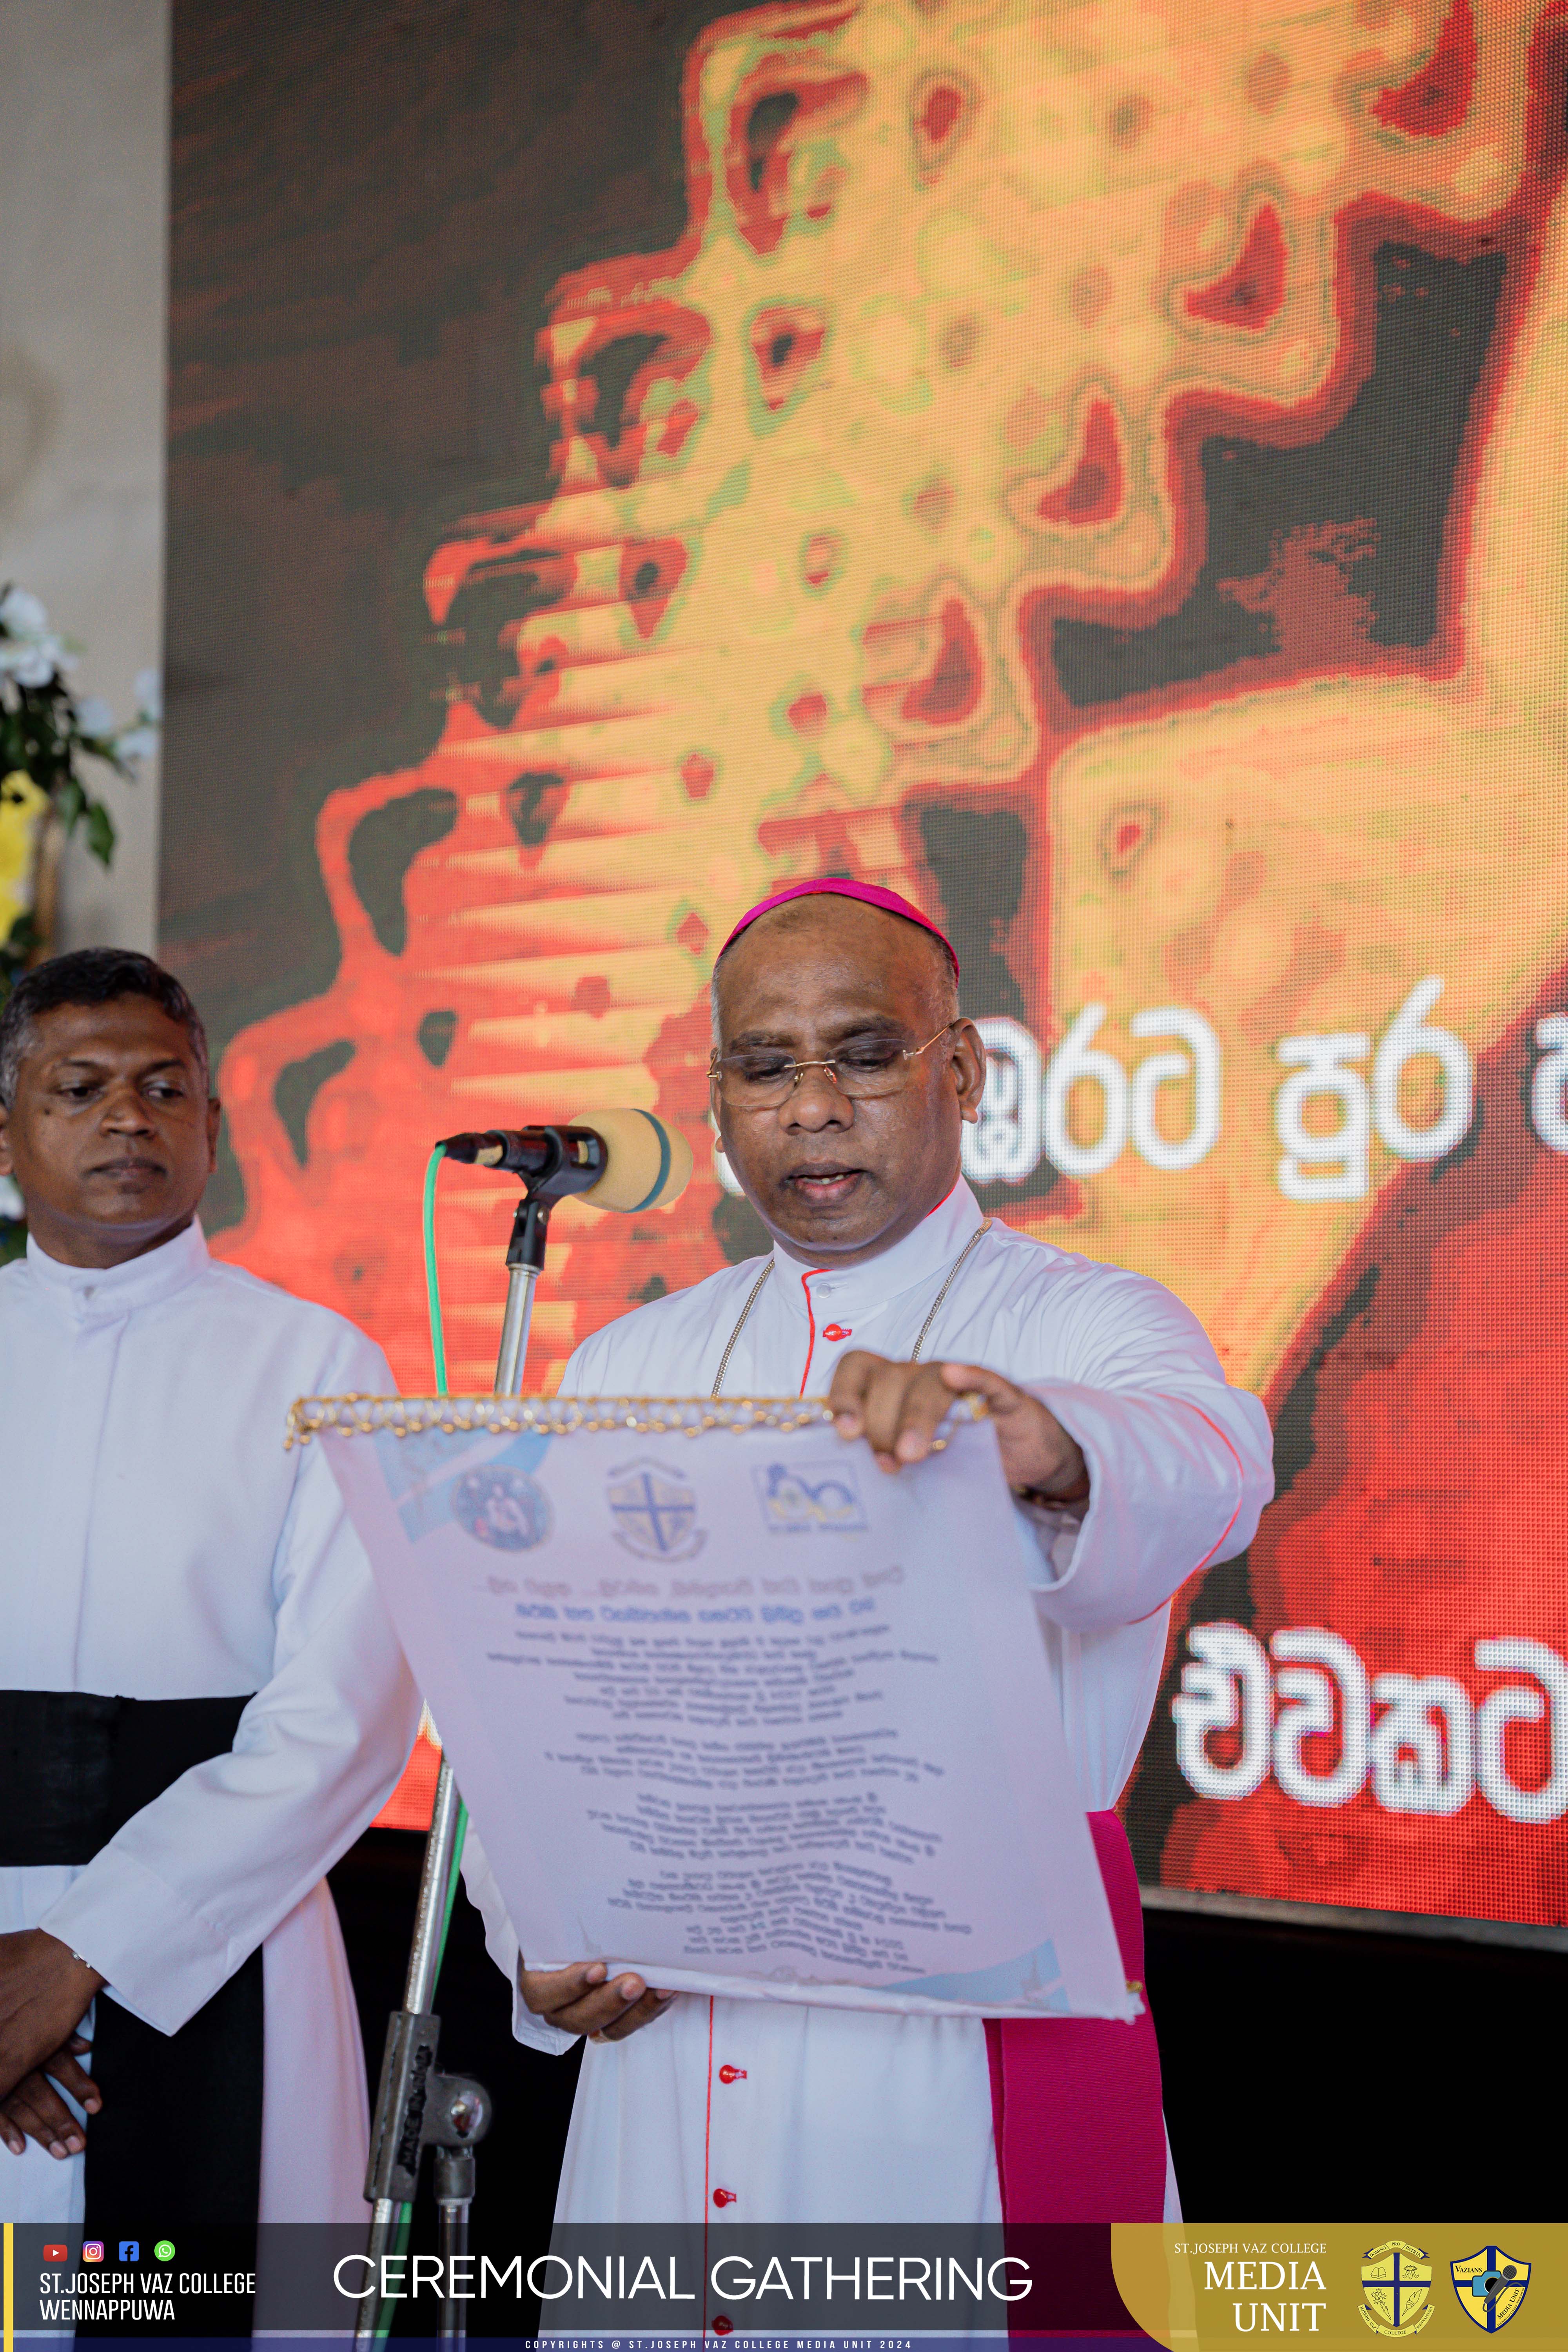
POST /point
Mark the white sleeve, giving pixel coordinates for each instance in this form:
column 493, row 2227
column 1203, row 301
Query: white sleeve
column 1179, row 1463
column 175, row 1903
column 500, row 1943
column 584, row 1370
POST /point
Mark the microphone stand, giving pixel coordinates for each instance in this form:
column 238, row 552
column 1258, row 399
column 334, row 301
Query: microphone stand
column 417, row 2106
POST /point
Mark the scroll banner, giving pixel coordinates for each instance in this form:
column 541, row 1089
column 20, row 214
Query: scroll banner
column 730, row 1708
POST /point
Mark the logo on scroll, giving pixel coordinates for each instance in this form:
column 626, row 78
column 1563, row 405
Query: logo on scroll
column 654, row 1512
column 799, row 1496
column 1490, row 2286
column 1396, row 2288
column 502, row 1508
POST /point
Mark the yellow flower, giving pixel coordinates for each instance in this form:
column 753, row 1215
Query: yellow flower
column 22, row 805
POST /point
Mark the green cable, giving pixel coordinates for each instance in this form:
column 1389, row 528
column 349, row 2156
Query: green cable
column 432, row 1278
column 455, row 1879
column 384, row 2314
column 439, row 1356
column 405, row 2215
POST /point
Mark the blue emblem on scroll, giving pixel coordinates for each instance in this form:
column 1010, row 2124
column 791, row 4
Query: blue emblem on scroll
column 502, row 1508
column 803, row 1498
column 654, row 1512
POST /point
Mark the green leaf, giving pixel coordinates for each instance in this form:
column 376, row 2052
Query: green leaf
column 14, row 948
column 70, row 800
column 100, row 833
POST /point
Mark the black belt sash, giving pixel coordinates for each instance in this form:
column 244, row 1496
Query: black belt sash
column 178, row 2139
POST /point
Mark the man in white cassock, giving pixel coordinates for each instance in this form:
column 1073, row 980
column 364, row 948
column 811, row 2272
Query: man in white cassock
column 841, row 1077
column 201, row 1703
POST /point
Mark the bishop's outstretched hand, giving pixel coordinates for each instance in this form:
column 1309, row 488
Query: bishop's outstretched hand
column 898, row 1407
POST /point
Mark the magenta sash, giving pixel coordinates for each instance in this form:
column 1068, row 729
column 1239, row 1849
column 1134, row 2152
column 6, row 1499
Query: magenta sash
column 1081, row 2136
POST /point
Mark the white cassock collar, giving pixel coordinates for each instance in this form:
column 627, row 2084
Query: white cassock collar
column 98, row 1294
column 857, row 1295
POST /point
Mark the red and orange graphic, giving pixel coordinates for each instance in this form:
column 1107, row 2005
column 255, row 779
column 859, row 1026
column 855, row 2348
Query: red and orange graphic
column 1101, row 472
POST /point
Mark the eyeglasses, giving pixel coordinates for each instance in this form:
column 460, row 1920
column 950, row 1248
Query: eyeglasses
column 765, row 1080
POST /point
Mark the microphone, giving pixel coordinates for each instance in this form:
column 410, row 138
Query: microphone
column 625, row 1159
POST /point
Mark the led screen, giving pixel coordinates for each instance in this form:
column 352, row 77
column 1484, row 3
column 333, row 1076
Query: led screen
column 1097, row 468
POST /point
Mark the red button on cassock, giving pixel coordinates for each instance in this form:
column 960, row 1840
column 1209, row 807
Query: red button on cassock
column 836, row 1331
column 724, row 2196
column 731, row 2073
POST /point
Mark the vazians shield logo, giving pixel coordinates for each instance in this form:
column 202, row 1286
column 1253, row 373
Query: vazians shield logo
column 797, row 1497
column 1490, row 2287
column 1396, row 2288
column 654, row 1512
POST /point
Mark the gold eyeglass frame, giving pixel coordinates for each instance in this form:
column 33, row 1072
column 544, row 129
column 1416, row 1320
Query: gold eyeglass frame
column 716, row 1062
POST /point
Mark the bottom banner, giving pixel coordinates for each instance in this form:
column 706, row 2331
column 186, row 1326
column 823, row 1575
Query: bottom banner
column 805, row 2289
column 1344, row 2281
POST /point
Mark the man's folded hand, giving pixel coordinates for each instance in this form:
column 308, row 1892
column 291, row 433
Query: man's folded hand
column 35, row 2109
column 586, row 1999
column 45, row 1993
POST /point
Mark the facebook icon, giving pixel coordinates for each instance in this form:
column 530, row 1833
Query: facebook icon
column 130, row 2250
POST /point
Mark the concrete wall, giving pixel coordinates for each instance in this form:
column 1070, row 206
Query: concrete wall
column 84, row 138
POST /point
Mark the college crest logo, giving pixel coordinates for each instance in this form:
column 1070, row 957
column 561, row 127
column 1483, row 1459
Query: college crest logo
column 1396, row 2288
column 654, row 1512
column 796, row 1499
column 1490, row 2287
column 502, row 1508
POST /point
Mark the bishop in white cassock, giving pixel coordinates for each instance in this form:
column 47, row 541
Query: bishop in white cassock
column 159, row 1544
column 764, row 2112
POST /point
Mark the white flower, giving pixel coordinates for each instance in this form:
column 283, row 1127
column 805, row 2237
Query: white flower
column 22, row 614
column 137, row 743
column 150, row 695
column 93, row 716
column 30, row 663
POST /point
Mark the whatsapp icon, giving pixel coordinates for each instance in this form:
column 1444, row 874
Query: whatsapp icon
column 163, row 2252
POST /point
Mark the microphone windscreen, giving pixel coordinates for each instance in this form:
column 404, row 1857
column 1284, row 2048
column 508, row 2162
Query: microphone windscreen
column 650, row 1161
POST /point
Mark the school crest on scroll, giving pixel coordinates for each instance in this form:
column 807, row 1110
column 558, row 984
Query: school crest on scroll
column 654, row 1512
